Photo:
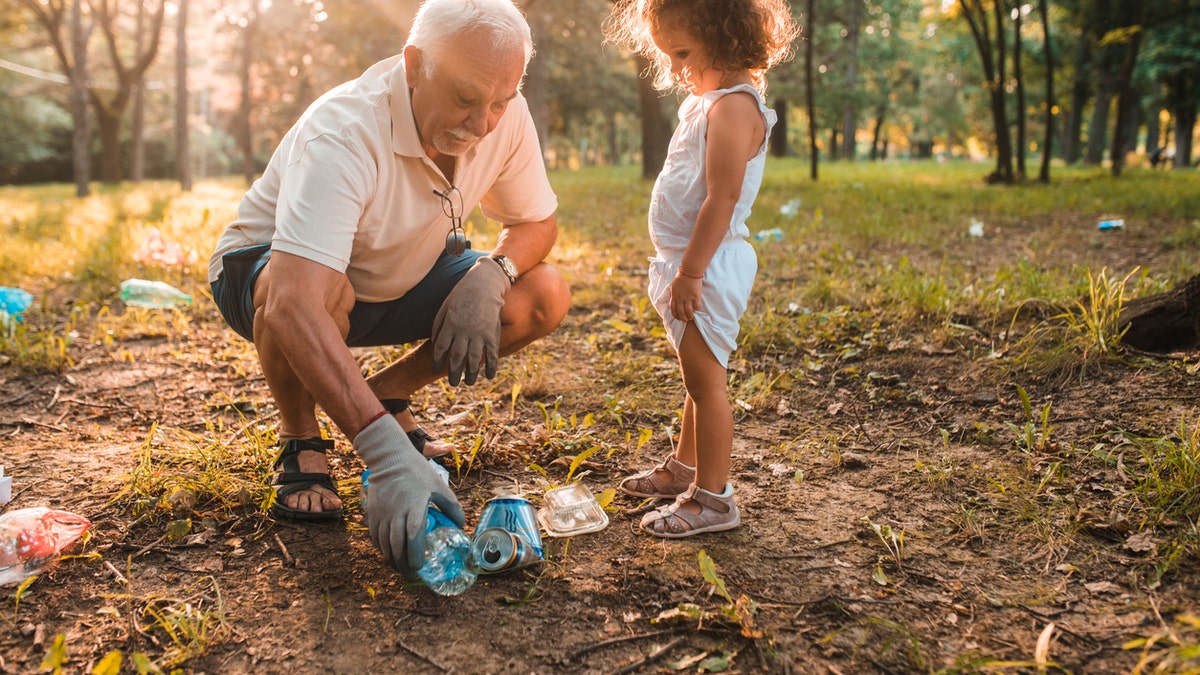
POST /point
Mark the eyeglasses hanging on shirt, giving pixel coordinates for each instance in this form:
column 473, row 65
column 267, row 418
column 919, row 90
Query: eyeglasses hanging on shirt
column 452, row 206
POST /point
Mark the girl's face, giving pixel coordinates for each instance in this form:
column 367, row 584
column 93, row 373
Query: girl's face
column 690, row 63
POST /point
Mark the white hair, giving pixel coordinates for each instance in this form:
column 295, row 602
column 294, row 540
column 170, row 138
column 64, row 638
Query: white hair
column 440, row 24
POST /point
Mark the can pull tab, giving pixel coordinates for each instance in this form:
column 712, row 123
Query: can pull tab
column 491, row 553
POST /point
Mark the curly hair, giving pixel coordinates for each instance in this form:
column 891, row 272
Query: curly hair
column 752, row 35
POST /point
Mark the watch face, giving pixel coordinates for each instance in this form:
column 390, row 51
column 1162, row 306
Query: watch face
column 509, row 267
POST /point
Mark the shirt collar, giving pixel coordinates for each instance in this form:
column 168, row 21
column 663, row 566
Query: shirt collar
column 405, row 139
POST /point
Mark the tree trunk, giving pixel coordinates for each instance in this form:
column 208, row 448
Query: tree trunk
column 656, row 129
column 877, row 133
column 1125, row 90
column 137, row 141
column 80, row 138
column 778, row 143
column 1079, row 98
column 183, row 156
column 810, row 101
column 1185, row 123
column 244, row 129
column 1097, row 137
column 993, row 78
column 1165, row 322
column 1020, row 84
column 536, row 75
column 1004, row 150
column 1048, row 141
column 850, row 111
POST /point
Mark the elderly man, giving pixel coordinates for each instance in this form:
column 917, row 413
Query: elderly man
column 353, row 237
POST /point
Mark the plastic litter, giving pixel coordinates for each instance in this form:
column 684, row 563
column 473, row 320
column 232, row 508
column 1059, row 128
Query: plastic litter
column 571, row 510
column 1115, row 224
column 157, row 251
column 773, row 234
column 5, row 487
column 152, row 294
column 976, row 228
column 32, row 539
column 13, row 303
column 790, row 208
column 449, row 567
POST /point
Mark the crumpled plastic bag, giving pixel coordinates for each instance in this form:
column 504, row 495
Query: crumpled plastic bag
column 32, row 539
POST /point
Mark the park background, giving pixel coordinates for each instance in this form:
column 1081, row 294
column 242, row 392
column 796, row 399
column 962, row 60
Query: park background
column 951, row 457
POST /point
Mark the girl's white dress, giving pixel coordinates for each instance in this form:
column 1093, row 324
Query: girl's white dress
column 674, row 204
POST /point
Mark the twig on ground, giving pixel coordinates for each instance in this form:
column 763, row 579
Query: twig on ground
column 17, row 399
column 650, row 658
column 626, row 638
column 92, row 404
column 149, row 546
column 35, row 423
column 116, row 573
column 288, row 561
column 54, row 398
column 421, row 656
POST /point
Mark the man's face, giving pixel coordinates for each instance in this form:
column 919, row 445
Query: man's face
column 464, row 100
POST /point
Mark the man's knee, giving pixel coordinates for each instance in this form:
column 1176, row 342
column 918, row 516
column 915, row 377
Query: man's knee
column 549, row 298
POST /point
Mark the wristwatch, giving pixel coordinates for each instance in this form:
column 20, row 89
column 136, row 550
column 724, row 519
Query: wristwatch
column 509, row 267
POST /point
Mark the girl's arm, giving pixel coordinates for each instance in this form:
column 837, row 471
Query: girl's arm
column 735, row 133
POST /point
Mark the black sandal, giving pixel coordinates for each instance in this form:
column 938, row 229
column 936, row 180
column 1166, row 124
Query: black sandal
column 418, row 436
column 289, row 478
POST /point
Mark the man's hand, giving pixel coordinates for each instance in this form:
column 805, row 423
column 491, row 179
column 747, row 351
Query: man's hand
column 467, row 327
column 402, row 485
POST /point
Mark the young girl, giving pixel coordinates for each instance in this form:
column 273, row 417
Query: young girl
column 700, row 279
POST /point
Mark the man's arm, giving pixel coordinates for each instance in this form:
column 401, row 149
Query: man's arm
column 304, row 321
column 527, row 244
column 305, row 308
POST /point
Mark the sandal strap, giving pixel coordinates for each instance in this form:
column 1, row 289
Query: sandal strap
column 678, row 469
column 395, row 406
column 298, row 445
column 710, row 501
column 716, row 511
column 287, row 463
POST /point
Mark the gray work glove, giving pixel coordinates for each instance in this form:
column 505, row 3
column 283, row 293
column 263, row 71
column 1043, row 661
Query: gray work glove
column 402, row 485
column 467, row 327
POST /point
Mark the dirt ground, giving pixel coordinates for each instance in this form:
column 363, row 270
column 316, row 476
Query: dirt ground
column 919, row 439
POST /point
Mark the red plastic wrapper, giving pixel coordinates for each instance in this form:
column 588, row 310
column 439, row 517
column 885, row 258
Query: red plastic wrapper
column 32, row 539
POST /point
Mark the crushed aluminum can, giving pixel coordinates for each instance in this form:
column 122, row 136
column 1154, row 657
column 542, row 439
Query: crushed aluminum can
column 497, row 550
column 514, row 514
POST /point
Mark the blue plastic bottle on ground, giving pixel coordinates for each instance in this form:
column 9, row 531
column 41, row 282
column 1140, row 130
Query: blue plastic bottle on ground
column 449, row 568
column 13, row 302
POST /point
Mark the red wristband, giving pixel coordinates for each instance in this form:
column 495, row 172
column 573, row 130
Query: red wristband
column 681, row 273
column 375, row 417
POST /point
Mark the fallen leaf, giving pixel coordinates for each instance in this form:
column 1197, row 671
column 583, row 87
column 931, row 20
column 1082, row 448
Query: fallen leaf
column 1142, row 542
column 1041, row 653
column 1103, row 587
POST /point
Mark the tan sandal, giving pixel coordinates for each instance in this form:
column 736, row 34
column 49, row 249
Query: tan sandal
column 649, row 484
column 718, row 512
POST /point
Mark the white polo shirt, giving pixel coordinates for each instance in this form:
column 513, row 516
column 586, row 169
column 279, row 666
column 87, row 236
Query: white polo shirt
column 351, row 188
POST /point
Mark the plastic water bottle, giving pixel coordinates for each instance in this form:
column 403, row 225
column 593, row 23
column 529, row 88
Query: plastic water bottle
column 31, row 540
column 13, row 302
column 152, row 294
column 449, row 567
column 773, row 234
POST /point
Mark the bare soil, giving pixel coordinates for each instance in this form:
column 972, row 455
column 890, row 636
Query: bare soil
column 998, row 543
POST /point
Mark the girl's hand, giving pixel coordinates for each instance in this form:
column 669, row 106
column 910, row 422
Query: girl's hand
column 685, row 297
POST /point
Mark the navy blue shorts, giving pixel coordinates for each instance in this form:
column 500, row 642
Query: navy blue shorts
column 406, row 319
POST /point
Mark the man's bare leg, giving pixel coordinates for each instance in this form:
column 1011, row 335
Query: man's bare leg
column 297, row 408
